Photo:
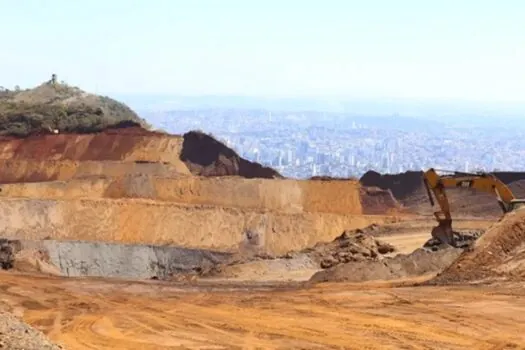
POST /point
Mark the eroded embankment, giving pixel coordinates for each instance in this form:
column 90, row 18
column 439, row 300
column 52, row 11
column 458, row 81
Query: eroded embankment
column 151, row 222
column 116, row 145
column 193, row 153
column 498, row 254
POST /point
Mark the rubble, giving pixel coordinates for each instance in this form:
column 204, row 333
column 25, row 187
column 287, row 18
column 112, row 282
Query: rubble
column 16, row 335
column 8, row 249
column 463, row 240
column 350, row 246
column 432, row 257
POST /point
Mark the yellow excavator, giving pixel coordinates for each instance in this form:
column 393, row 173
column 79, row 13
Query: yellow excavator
column 486, row 182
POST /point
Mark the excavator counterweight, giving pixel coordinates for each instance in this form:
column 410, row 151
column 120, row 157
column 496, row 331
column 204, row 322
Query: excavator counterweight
column 436, row 185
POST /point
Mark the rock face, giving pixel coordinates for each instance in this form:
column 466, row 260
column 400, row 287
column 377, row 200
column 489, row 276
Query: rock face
column 141, row 261
column 206, row 156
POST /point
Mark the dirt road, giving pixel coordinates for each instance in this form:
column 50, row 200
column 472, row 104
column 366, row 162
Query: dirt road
column 97, row 314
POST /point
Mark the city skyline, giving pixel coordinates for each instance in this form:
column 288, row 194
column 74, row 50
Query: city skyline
column 303, row 145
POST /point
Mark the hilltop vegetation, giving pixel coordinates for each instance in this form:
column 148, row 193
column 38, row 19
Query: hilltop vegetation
column 53, row 105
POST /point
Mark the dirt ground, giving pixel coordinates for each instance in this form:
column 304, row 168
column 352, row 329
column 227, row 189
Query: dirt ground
column 253, row 312
column 96, row 314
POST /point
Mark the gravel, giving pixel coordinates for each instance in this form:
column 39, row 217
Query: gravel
column 16, row 335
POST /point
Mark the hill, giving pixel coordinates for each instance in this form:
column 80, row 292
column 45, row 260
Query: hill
column 59, row 106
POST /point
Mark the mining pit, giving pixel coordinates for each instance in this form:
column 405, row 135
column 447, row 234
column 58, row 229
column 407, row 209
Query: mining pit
column 354, row 256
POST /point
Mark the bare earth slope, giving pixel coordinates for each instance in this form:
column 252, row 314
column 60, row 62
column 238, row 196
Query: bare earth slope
column 499, row 253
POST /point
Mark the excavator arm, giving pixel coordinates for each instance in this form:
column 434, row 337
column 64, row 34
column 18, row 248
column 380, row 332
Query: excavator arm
column 436, row 185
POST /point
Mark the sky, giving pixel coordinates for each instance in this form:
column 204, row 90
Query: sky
column 440, row 50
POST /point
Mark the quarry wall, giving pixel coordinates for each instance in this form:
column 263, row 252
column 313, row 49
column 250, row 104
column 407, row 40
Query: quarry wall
column 131, row 186
column 291, row 196
column 154, row 222
column 85, row 258
column 129, row 147
column 24, row 170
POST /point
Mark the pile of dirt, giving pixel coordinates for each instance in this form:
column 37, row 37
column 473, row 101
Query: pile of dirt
column 376, row 201
column 350, row 246
column 408, row 188
column 433, row 257
column 402, row 185
column 16, row 335
column 420, row 262
column 498, row 254
column 206, row 156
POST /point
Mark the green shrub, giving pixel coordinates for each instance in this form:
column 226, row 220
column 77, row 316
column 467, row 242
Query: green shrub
column 59, row 106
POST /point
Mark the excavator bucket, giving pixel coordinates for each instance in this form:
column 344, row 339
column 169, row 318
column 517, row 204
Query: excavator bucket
column 444, row 233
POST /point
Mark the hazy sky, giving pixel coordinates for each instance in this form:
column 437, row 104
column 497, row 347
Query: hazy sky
column 457, row 49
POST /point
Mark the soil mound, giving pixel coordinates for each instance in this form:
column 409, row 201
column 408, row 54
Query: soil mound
column 431, row 258
column 375, row 200
column 355, row 245
column 351, row 246
column 206, row 156
column 498, row 254
column 420, row 262
column 402, row 185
